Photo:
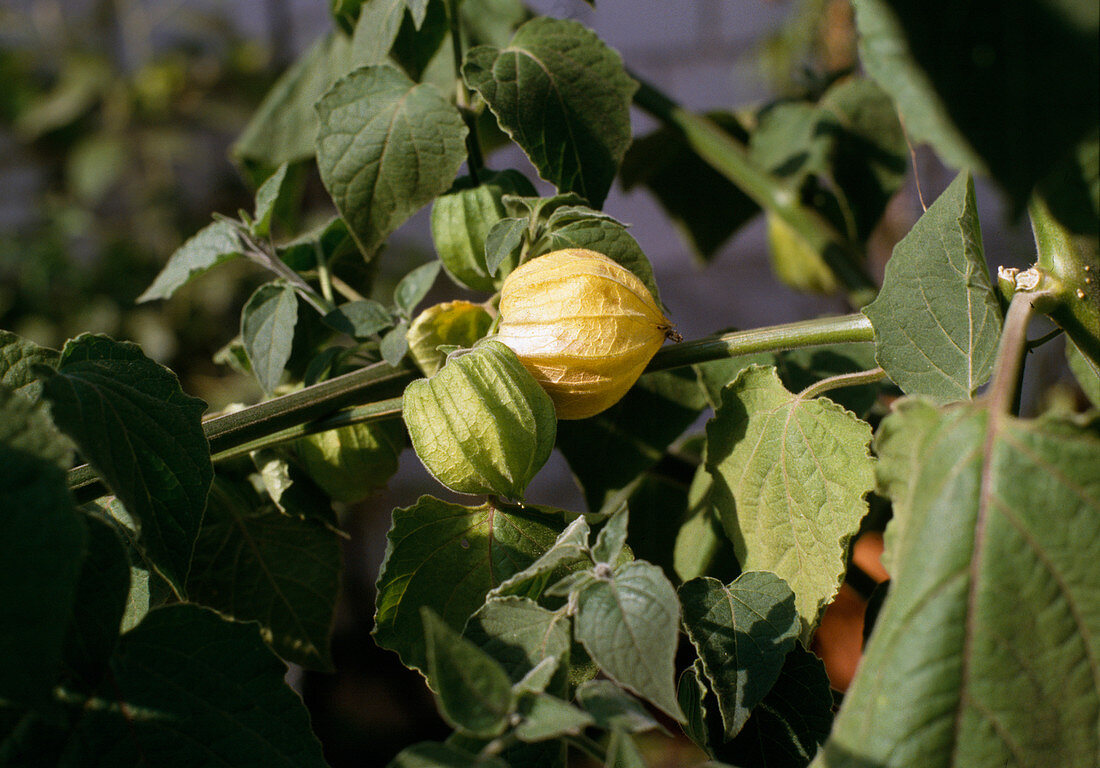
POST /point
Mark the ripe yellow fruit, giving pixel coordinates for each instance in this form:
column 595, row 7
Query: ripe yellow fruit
column 583, row 325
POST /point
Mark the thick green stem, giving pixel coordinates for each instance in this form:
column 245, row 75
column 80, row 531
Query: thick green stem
column 322, row 399
column 362, row 414
column 1075, row 265
column 375, row 389
column 226, row 434
column 730, row 158
column 806, row 333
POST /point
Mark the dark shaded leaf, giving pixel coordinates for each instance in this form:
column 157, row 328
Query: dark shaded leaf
column 742, row 633
column 473, row 549
column 190, row 688
column 18, row 357
column 144, row 437
column 255, row 563
column 679, row 179
column 991, row 65
column 608, row 451
column 42, row 544
column 99, row 604
column 788, row 726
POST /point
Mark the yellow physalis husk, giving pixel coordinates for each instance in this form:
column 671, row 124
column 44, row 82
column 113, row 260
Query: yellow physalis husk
column 583, row 325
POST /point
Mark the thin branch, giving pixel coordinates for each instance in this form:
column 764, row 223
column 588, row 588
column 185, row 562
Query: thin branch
column 265, row 256
column 842, row 380
column 475, row 163
column 345, row 290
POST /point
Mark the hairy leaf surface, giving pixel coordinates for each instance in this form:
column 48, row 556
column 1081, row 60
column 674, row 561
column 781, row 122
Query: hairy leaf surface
column 143, row 435
column 790, row 476
column 386, row 147
column 937, row 320
column 564, row 97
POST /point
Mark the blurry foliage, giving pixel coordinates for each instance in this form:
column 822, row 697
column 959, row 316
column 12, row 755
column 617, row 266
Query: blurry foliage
column 115, row 120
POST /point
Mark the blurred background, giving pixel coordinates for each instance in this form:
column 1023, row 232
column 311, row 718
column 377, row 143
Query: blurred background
column 116, row 120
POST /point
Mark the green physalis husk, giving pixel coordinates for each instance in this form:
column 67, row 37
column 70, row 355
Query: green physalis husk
column 482, row 425
column 352, row 462
column 452, row 323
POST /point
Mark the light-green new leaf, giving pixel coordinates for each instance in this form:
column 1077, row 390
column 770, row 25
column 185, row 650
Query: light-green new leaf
column 629, row 622
column 790, row 476
column 210, row 246
column 987, row 648
column 267, row 199
column 267, row 330
column 385, row 148
column 572, row 115
column 937, row 320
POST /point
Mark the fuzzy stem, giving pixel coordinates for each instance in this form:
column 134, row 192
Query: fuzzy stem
column 266, row 257
column 842, row 380
column 1008, row 365
column 324, row 274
